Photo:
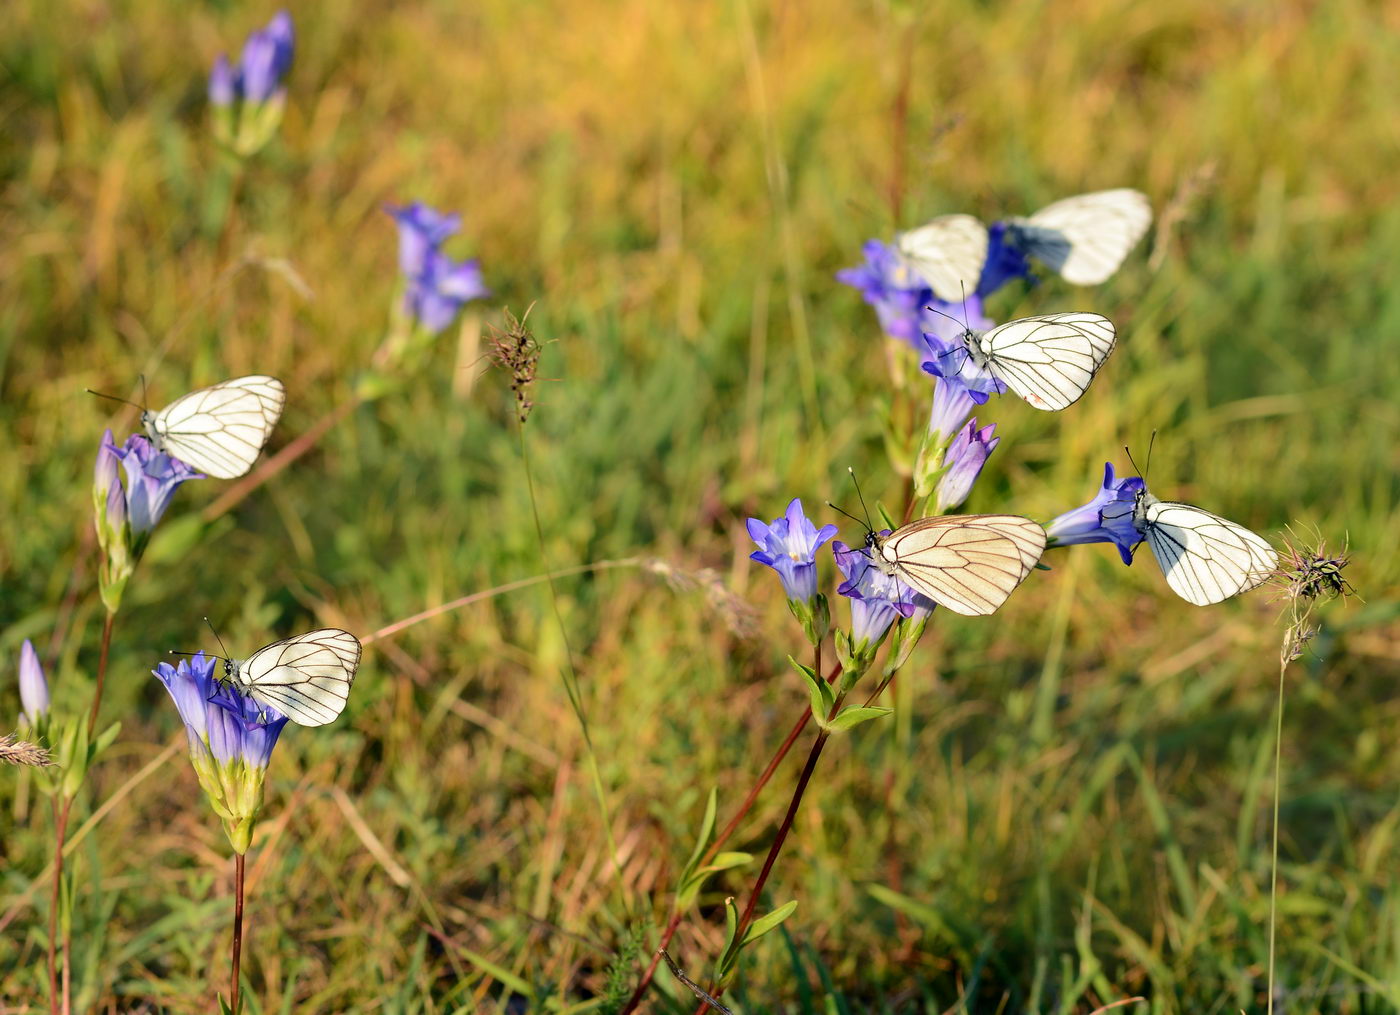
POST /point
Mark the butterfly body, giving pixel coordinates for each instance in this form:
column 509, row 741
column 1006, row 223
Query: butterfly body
column 219, row 430
column 307, row 678
column 969, row 564
column 1205, row 558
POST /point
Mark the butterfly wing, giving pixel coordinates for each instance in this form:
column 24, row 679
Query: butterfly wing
column 969, row 564
column 1086, row 238
column 948, row 252
column 1206, row 559
column 1048, row 361
column 220, row 430
column 306, row 678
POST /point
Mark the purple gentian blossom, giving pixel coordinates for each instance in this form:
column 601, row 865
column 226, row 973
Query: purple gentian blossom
column 223, row 82
column 436, row 295
column 1108, row 518
column 152, row 477
column 1005, row 261
column 33, row 686
column 903, row 301
column 231, row 738
column 962, row 462
column 877, row 599
column 961, row 383
column 421, row 232
column 267, row 56
column 789, row 546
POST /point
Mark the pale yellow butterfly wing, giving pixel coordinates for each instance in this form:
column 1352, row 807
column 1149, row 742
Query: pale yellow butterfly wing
column 969, row 564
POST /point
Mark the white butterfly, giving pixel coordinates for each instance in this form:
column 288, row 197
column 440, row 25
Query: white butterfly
column 219, row 430
column 969, row 564
column 1206, row 559
column 1049, row 361
column 306, row 678
column 1084, row 238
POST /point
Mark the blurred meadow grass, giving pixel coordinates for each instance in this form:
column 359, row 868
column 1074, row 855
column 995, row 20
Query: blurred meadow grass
column 1071, row 803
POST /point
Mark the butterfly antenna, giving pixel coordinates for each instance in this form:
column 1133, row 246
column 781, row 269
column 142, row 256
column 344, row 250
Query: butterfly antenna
column 1150, row 441
column 1128, row 451
column 844, row 512
column 145, row 401
column 869, row 526
column 218, row 639
column 115, row 398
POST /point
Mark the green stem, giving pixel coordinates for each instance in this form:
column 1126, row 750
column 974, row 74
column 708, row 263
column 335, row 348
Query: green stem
column 60, row 812
column 1273, row 863
column 569, row 674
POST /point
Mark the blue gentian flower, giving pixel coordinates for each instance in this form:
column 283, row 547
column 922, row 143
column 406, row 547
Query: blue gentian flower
column 231, row 738
column 249, row 98
column 33, row 687
column 267, row 56
column 421, row 232
column 962, row 462
column 1005, row 261
column 877, row 601
column 961, row 383
column 152, row 477
column 903, row 301
column 436, row 295
column 1108, row 518
column 223, row 82
column 789, row 546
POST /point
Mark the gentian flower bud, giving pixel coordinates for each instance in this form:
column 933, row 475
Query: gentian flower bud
column 789, row 546
column 33, row 687
column 1108, row 518
column 231, row 738
column 421, row 231
column 267, row 56
column 962, row 464
column 223, row 83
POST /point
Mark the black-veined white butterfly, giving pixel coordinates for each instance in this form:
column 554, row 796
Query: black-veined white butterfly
column 1205, row 558
column 969, row 564
column 219, row 430
column 306, row 678
column 1049, row 361
column 1084, row 238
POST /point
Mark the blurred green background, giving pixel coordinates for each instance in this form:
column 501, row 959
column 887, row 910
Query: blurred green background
column 1071, row 803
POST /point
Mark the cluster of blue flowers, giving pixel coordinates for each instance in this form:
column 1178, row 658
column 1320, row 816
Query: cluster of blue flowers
column 248, row 98
column 437, row 286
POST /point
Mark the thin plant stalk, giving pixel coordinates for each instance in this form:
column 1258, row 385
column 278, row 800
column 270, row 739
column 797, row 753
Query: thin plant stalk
column 101, row 671
column 569, row 674
column 798, row 792
column 1273, row 860
column 723, row 837
column 237, row 931
column 60, row 813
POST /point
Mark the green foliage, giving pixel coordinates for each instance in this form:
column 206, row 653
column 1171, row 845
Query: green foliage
column 1068, row 805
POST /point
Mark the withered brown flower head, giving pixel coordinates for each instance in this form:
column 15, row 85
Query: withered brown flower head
column 516, row 350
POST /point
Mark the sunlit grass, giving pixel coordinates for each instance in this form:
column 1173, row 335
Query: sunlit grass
column 1072, row 804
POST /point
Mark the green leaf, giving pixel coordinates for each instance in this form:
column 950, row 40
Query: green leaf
column 498, row 973
column 773, row 920
column 857, row 714
column 727, row 860
column 104, row 739
column 224, row 1009
column 707, row 826
column 822, row 697
column 889, row 522
column 725, row 964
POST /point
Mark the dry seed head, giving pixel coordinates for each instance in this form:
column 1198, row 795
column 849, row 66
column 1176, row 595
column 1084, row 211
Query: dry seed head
column 21, row 752
column 516, row 350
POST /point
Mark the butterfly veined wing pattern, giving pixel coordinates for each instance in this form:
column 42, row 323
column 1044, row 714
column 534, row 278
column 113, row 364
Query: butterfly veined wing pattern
column 219, row 430
column 1206, row 559
column 306, row 678
column 948, row 253
column 1085, row 238
column 1049, row 361
column 969, row 564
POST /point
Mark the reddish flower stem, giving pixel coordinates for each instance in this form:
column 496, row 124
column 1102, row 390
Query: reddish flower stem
column 101, row 672
column 60, row 812
column 674, row 923
column 237, row 930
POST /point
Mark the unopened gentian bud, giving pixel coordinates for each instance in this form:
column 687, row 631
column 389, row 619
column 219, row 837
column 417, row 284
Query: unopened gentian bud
column 962, row 464
column 33, row 686
column 223, row 82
